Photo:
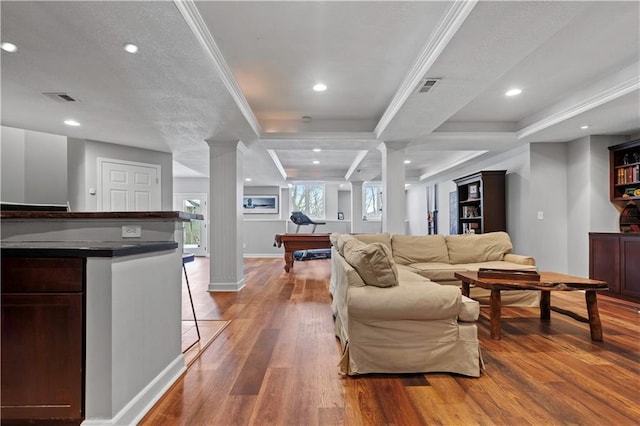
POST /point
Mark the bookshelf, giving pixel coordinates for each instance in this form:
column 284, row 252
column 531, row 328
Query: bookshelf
column 624, row 162
column 481, row 202
column 624, row 165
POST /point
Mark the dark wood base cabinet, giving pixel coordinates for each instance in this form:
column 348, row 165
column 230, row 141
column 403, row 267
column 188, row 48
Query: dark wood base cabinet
column 615, row 258
column 42, row 341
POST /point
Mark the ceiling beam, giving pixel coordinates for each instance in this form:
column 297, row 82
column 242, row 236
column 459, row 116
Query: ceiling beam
column 447, row 28
column 196, row 23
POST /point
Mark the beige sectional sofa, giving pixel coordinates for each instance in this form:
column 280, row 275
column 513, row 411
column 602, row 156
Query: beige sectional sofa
column 392, row 312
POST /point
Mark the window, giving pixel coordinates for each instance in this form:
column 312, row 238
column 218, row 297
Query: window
column 308, row 198
column 372, row 201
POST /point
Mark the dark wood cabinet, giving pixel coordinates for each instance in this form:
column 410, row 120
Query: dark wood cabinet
column 481, row 202
column 42, row 340
column 615, row 258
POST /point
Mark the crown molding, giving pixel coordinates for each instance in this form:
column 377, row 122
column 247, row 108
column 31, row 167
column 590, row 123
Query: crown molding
column 466, row 158
column 444, row 32
column 319, row 136
column 278, row 163
column 191, row 15
column 356, row 163
column 589, row 103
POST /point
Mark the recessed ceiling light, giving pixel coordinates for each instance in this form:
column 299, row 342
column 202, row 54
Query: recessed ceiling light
column 8, row 47
column 71, row 122
column 316, row 162
column 317, row 150
column 586, row 126
column 513, row 92
column 131, row 48
column 248, row 179
column 407, row 161
column 320, row 87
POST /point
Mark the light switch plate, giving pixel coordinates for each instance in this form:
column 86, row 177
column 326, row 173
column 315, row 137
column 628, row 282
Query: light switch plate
column 131, row 232
column 540, row 215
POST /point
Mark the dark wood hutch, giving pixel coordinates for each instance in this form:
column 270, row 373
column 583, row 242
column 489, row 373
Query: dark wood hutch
column 615, row 257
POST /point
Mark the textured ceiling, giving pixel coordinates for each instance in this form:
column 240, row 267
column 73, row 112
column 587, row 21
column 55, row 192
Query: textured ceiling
column 236, row 70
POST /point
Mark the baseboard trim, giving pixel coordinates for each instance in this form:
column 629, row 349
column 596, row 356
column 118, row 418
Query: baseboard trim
column 263, row 255
column 137, row 408
column 216, row 287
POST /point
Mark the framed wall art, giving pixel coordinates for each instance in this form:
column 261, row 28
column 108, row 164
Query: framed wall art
column 260, row 204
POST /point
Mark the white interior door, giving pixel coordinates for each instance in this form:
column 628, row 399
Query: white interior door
column 128, row 186
column 195, row 231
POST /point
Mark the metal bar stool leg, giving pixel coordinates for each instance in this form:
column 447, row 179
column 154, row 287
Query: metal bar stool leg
column 185, row 259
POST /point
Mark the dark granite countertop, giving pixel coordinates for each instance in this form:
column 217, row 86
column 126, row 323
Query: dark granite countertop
column 81, row 248
column 177, row 215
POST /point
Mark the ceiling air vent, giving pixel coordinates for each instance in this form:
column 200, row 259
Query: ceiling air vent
column 427, row 84
column 60, row 97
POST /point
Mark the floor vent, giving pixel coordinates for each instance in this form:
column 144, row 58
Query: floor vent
column 60, row 97
column 427, row 84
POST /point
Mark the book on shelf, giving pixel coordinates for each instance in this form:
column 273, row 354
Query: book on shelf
column 470, row 211
column 470, row 228
column 473, row 191
column 629, row 174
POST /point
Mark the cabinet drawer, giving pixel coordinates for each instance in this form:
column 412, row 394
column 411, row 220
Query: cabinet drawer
column 42, row 275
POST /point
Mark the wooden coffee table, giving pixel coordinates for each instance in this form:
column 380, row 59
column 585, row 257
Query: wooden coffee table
column 549, row 281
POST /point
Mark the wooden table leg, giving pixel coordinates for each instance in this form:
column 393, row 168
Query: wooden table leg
column 545, row 305
column 494, row 318
column 594, row 316
column 465, row 288
column 288, row 260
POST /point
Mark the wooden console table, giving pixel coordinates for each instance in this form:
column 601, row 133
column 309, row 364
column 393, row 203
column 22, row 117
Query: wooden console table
column 549, row 281
column 295, row 242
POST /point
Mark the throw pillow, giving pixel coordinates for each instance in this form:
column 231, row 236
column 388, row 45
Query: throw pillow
column 373, row 262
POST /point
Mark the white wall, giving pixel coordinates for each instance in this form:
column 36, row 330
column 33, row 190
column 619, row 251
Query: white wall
column 344, row 203
column 548, row 195
column 191, row 185
column 589, row 207
column 604, row 215
column 516, row 162
column 567, row 182
column 12, row 147
column 34, row 167
column 92, row 150
column 417, row 209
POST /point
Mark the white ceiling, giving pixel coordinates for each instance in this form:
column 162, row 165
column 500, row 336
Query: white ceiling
column 242, row 70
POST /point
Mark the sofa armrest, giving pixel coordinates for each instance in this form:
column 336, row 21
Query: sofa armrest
column 469, row 310
column 519, row 259
column 408, row 301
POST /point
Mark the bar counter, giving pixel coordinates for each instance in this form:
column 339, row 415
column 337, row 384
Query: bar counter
column 99, row 296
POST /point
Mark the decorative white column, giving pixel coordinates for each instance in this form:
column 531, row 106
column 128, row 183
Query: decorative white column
column 356, row 207
column 393, row 194
column 225, row 231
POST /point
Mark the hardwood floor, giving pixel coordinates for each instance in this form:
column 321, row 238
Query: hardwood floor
column 276, row 363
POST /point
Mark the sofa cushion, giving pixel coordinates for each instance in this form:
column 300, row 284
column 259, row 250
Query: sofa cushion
column 409, row 249
column 438, row 272
column 374, row 263
column 406, row 274
column 380, row 237
column 473, row 248
column 408, row 301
